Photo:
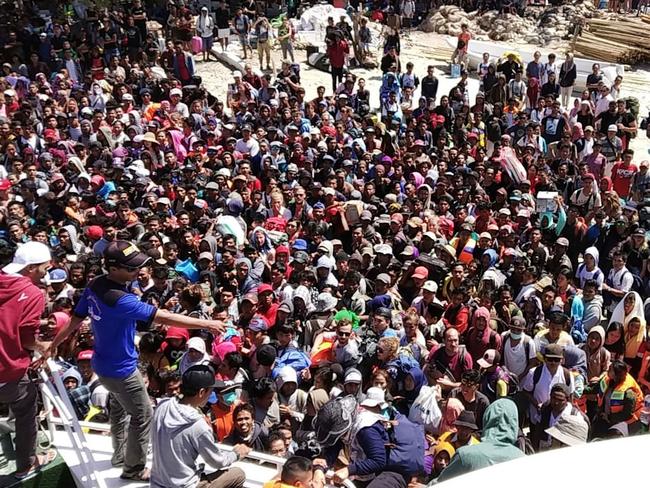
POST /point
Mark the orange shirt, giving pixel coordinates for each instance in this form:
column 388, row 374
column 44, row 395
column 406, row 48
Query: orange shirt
column 222, row 422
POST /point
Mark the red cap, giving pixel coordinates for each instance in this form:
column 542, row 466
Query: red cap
column 50, row 134
column 94, row 232
column 263, row 288
column 281, row 250
column 397, row 217
column 85, row 355
column 421, row 273
column 5, row 185
column 177, row 333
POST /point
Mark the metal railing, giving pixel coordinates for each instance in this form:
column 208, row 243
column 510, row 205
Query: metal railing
column 55, row 395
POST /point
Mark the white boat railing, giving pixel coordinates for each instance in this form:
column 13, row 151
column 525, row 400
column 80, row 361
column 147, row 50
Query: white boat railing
column 55, row 395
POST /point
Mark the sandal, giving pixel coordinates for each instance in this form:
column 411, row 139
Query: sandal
column 42, row 460
column 143, row 475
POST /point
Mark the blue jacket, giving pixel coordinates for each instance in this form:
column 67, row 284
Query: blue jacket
column 373, row 441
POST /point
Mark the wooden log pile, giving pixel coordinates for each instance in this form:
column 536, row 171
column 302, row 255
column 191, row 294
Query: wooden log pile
column 615, row 40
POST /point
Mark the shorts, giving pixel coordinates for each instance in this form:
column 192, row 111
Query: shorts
column 244, row 40
column 223, row 33
column 207, row 43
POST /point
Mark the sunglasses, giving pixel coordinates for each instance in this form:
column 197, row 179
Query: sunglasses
column 553, row 360
column 345, row 334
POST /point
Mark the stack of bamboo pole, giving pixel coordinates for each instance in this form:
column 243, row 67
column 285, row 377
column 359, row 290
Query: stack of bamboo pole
column 615, row 40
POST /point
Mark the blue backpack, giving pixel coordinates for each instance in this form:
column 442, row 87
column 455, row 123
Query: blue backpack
column 407, row 447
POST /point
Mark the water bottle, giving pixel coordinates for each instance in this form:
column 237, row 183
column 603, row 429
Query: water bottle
column 645, row 414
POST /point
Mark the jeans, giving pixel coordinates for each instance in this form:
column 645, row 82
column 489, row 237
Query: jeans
column 129, row 401
column 21, row 397
column 229, row 478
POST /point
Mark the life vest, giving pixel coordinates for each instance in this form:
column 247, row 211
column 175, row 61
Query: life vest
column 618, row 396
column 467, row 253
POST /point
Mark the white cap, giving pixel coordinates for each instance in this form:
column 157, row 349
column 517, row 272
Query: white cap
column 236, row 74
column 612, row 128
column 164, row 201
column 431, row 286
column 29, row 253
column 176, row 91
column 197, row 344
column 375, row 397
column 383, row 249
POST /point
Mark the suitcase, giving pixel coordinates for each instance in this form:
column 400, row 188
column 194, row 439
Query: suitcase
column 197, row 45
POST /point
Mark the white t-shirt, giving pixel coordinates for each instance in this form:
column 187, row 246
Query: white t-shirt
column 251, row 147
column 542, row 391
column 514, row 355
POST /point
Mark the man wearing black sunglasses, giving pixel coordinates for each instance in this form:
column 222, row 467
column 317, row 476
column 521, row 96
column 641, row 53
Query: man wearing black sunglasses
column 114, row 311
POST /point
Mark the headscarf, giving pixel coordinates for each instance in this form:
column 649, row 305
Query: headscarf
column 632, row 344
column 179, row 149
column 419, row 379
column 418, row 179
column 318, row 398
column 451, row 412
column 443, row 446
column 577, row 133
column 61, row 319
column 266, row 246
column 485, row 313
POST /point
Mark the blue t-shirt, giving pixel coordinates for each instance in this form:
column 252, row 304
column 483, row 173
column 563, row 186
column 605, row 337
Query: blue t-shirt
column 114, row 313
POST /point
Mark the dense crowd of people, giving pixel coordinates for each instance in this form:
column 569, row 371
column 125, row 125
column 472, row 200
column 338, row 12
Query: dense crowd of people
column 394, row 297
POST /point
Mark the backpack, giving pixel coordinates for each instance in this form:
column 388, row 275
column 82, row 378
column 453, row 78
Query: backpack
column 462, row 360
column 526, row 347
column 407, row 447
column 537, row 375
column 595, row 277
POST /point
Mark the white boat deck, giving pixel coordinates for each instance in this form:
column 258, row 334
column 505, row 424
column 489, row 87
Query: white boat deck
column 102, row 450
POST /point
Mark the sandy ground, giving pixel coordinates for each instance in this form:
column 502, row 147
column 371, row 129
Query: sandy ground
column 421, row 49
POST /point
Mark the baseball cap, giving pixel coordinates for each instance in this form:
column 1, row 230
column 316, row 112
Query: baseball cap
column 28, row 254
column 58, row 275
column 264, row 288
column 612, row 128
column 5, row 184
column 421, row 273
column 86, row 355
column 258, row 324
column 485, row 235
column 199, row 376
column 490, row 357
column 300, row 245
column 383, row 249
column 554, row 351
column 94, row 232
column 570, row 430
column 176, row 91
column 250, row 297
column 352, row 375
column 383, row 277
column 431, row 286
column 206, row 255
column 266, row 354
column 197, row 344
column 124, row 253
column 562, row 241
column 375, row 397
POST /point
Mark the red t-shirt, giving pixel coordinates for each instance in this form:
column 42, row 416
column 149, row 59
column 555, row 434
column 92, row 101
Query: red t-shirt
column 622, row 178
column 21, row 306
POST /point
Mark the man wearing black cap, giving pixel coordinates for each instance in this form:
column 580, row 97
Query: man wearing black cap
column 180, row 434
column 114, row 311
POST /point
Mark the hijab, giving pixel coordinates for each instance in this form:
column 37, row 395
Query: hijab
column 451, row 412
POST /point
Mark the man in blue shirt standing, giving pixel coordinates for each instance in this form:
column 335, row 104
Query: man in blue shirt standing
column 114, row 311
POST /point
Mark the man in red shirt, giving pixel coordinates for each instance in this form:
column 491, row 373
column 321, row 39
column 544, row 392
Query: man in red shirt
column 622, row 174
column 337, row 50
column 21, row 305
